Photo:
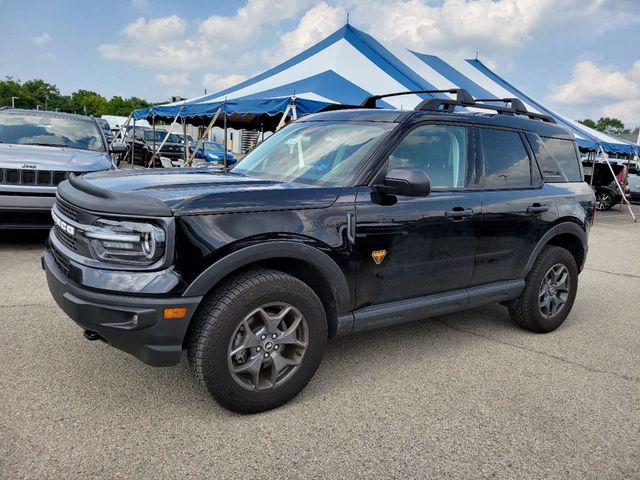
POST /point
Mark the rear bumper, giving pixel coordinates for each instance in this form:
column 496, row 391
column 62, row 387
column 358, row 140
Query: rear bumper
column 135, row 325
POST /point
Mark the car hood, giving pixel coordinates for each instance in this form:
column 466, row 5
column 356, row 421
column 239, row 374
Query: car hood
column 52, row 158
column 194, row 190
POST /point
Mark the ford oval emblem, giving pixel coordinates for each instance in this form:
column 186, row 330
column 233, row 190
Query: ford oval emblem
column 30, row 167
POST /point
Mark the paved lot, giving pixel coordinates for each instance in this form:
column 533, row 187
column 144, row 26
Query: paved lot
column 462, row 396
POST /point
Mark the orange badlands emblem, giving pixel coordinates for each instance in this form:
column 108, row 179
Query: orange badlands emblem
column 378, row 256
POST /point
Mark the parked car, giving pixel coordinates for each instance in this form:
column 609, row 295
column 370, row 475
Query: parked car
column 604, row 185
column 38, row 150
column 143, row 146
column 106, row 129
column 180, row 137
column 213, row 152
column 634, row 188
column 340, row 222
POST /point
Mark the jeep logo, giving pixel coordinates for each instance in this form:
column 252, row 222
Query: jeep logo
column 30, row 167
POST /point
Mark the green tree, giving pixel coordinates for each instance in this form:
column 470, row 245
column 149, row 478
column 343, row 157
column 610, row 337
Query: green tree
column 88, row 103
column 588, row 122
column 611, row 125
column 10, row 88
column 37, row 92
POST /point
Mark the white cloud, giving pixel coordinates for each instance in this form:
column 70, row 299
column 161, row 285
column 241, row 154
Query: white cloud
column 317, row 23
column 250, row 21
column 155, row 28
column 172, row 80
column 601, row 91
column 41, row 39
column 214, row 82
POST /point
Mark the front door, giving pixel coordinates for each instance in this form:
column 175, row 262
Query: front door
column 408, row 247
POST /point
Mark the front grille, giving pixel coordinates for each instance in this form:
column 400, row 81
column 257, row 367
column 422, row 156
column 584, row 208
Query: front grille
column 44, row 178
column 69, row 240
column 67, row 210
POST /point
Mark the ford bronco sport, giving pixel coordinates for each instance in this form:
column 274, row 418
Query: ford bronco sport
column 341, row 222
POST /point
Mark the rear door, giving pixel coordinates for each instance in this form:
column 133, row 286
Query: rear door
column 515, row 205
column 425, row 245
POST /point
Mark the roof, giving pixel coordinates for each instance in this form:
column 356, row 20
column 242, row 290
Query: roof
column 495, row 120
column 350, row 65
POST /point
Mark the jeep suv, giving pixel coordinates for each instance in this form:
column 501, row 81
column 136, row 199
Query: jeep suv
column 340, row 222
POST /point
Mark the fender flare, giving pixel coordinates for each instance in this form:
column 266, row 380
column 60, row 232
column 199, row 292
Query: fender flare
column 276, row 249
column 562, row 228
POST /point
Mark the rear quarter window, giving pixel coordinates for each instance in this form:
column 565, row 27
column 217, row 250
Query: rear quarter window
column 558, row 159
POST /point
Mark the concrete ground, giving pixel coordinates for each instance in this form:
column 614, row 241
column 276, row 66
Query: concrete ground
column 461, row 396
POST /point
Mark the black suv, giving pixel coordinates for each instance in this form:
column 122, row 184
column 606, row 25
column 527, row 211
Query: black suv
column 143, row 146
column 341, row 222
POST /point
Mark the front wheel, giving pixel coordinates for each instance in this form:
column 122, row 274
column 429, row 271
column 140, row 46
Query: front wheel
column 257, row 340
column 549, row 292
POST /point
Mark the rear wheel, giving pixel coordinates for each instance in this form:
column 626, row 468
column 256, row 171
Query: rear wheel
column 604, row 201
column 549, row 292
column 257, row 340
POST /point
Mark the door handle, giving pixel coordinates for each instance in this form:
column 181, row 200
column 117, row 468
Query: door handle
column 537, row 208
column 458, row 213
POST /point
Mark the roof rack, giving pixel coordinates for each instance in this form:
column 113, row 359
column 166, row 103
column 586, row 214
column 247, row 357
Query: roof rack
column 517, row 107
column 462, row 96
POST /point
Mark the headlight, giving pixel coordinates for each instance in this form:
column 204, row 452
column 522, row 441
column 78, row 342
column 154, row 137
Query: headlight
column 126, row 242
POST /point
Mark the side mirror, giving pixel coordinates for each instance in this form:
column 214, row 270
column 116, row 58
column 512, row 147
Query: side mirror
column 408, row 182
column 118, row 147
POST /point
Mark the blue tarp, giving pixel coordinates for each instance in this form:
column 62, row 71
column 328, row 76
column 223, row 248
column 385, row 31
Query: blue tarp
column 242, row 106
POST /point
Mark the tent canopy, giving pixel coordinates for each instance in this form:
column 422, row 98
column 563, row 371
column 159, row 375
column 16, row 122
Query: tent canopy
column 350, row 65
column 242, row 112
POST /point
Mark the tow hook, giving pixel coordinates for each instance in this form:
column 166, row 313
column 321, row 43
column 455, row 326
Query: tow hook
column 92, row 336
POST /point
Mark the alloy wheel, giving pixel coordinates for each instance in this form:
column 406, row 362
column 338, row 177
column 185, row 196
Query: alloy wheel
column 268, row 346
column 554, row 290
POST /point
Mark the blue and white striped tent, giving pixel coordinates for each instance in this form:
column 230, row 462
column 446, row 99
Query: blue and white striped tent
column 350, row 65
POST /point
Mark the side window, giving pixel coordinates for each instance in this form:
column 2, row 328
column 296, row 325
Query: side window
column 506, row 161
column 439, row 150
column 551, row 171
column 565, row 154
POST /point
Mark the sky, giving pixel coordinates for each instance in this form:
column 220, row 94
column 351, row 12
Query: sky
column 580, row 57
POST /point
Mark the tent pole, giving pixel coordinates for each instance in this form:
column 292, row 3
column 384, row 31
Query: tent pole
column 186, row 142
column 121, row 131
column 225, row 141
column 593, row 167
column 284, row 118
column 201, row 139
column 164, row 140
column 153, row 125
column 624, row 197
column 133, row 143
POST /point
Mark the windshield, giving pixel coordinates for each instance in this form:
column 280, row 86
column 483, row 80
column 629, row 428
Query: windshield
column 213, row 146
column 49, row 130
column 316, row 153
column 160, row 134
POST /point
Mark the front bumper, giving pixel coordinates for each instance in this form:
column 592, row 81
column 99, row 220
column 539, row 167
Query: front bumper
column 135, row 325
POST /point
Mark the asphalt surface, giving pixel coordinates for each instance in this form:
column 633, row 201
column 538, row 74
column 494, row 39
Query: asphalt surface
column 461, row 396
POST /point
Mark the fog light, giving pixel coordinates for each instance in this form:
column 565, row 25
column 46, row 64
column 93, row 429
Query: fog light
column 176, row 312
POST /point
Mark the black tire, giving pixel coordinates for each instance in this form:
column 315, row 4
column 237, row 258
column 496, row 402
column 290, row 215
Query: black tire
column 217, row 321
column 604, row 201
column 526, row 310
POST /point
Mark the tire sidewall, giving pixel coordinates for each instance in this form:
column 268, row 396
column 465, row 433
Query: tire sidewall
column 555, row 256
column 215, row 372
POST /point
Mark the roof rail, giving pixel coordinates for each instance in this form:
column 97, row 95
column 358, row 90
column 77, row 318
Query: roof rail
column 516, row 108
column 462, row 96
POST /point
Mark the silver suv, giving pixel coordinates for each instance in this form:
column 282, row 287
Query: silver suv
column 38, row 150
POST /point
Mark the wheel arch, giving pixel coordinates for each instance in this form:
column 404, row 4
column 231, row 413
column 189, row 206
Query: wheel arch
column 309, row 264
column 567, row 235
